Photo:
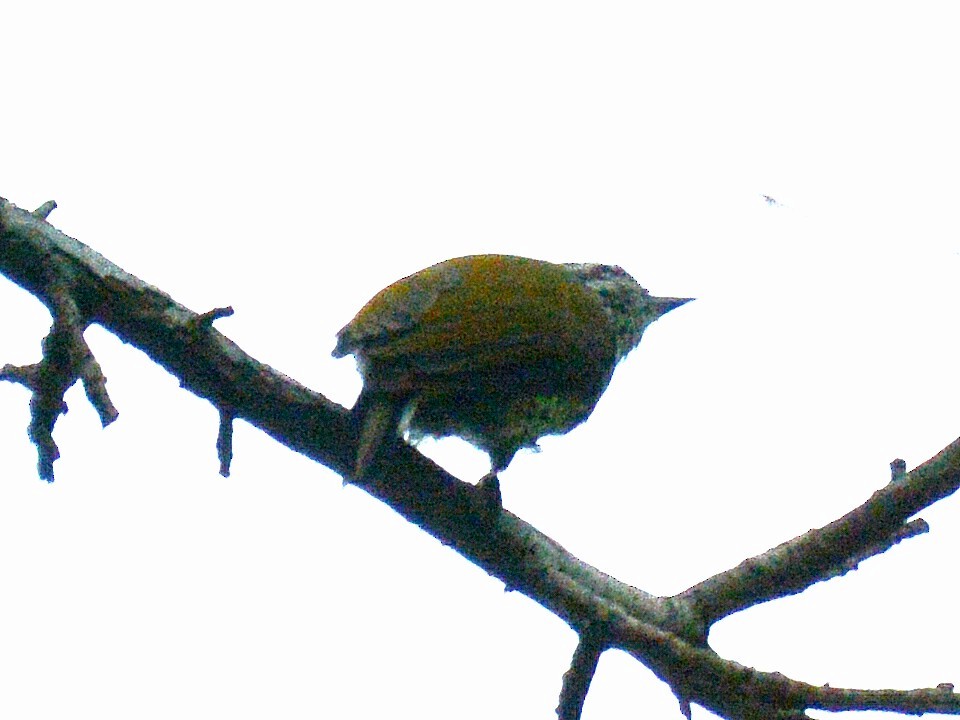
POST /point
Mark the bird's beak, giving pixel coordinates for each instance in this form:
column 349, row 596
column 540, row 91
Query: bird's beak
column 665, row 305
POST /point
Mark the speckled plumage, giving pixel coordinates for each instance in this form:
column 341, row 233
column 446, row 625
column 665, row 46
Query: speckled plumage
column 497, row 349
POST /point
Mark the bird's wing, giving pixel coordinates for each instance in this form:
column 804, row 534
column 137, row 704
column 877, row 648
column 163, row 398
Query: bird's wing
column 474, row 317
column 396, row 310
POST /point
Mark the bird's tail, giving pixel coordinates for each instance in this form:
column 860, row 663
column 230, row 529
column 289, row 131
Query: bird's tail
column 379, row 422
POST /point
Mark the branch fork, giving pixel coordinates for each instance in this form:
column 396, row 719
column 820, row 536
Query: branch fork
column 668, row 634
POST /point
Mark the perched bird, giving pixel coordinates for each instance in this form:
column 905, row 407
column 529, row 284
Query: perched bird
column 497, row 349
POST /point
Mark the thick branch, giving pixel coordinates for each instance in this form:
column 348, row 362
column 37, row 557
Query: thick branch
column 213, row 367
column 666, row 634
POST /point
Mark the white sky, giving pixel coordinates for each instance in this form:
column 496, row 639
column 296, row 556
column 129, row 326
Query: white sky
column 293, row 161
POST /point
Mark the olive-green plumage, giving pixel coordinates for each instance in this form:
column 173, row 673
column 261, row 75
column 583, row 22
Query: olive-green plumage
column 497, row 349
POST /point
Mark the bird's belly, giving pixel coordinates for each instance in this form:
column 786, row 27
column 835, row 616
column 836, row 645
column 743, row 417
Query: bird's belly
column 500, row 422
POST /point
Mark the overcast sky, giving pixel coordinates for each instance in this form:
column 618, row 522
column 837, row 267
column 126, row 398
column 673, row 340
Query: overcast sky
column 290, row 162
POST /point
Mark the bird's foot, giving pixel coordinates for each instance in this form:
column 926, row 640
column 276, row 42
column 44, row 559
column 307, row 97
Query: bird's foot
column 489, row 487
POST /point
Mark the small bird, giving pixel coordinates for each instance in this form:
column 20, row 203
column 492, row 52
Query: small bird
column 497, row 349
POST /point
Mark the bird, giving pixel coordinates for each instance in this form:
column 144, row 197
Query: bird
column 499, row 350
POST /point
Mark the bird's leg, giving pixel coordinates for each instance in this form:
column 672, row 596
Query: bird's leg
column 489, row 487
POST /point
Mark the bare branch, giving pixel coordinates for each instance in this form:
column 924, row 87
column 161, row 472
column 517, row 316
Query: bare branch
column 833, row 550
column 577, row 679
column 207, row 319
column 43, row 212
column 66, row 358
column 666, row 634
column 225, row 442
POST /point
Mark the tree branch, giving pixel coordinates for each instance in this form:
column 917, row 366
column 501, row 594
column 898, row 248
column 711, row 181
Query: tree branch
column 834, row 549
column 667, row 634
column 577, row 679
